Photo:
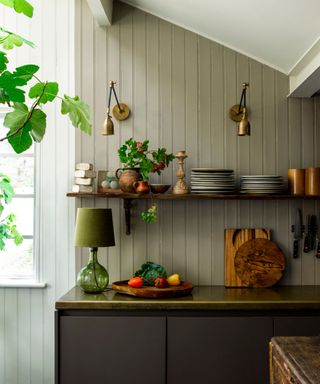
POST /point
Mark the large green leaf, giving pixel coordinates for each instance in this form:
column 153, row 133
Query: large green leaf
column 47, row 91
column 20, row 6
column 6, row 188
column 9, row 85
column 38, row 124
column 3, row 61
column 10, row 39
column 22, row 140
column 25, row 73
column 15, row 119
column 78, row 111
column 8, row 3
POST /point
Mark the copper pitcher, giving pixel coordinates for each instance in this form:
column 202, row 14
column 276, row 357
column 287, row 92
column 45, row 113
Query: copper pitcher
column 127, row 178
column 141, row 187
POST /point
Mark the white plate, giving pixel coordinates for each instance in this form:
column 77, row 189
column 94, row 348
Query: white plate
column 261, row 192
column 260, row 176
column 215, row 192
column 218, row 170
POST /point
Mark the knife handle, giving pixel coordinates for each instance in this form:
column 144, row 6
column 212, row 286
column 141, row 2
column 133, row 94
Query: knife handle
column 307, row 245
column 318, row 250
column 295, row 248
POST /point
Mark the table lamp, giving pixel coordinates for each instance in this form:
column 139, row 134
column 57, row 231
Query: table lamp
column 94, row 228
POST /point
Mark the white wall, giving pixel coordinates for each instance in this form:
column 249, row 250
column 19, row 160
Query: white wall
column 27, row 315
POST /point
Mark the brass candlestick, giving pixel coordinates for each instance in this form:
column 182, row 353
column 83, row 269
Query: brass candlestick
column 181, row 187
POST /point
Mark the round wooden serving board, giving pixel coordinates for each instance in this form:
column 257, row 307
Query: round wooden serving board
column 152, row 292
column 259, row 263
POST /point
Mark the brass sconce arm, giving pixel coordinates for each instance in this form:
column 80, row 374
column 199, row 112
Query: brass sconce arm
column 239, row 113
column 120, row 111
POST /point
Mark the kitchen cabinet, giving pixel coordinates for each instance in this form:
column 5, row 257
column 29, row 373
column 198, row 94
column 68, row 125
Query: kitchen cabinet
column 111, row 349
column 220, row 350
column 215, row 335
column 297, row 326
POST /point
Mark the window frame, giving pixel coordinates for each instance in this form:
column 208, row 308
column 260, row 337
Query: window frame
column 32, row 281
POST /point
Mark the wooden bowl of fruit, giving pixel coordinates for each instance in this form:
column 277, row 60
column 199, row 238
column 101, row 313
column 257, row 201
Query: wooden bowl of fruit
column 151, row 281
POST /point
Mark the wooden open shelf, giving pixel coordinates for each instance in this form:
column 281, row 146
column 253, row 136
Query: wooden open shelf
column 191, row 196
column 128, row 197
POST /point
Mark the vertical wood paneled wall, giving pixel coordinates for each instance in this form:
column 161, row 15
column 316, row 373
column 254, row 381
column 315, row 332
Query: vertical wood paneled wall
column 180, row 87
column 27, row 315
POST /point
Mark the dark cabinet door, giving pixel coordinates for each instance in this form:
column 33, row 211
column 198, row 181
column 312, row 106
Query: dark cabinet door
column 218, row 350
column 111, row 350
column 297, row 326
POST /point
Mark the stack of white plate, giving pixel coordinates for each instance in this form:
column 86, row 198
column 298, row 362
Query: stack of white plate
column 262, row 184
column 212, row 180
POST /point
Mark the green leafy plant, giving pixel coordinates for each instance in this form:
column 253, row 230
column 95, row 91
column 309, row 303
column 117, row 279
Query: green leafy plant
column 150, row 216
column 149, row 271
column 26, row 123
column 135, row 154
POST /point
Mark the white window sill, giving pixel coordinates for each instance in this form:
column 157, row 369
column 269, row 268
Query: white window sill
column 21, row 283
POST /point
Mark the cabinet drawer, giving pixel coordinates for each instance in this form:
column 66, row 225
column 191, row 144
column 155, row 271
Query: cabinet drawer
column 103, row 350
column 220, row 350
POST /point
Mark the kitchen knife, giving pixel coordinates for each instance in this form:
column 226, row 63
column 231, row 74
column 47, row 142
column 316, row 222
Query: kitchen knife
column 318, row 247
column 313, row 232
column 297, row 232
column 307, row 239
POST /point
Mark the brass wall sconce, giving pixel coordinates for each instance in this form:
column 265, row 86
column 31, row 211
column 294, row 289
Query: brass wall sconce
column 120, row 111
column 239, row 113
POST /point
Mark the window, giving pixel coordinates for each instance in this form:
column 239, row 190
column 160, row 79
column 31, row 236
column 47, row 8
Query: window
column 18, row 262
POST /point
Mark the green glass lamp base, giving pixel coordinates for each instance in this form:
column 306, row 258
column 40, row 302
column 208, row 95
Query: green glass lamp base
column 93, row 278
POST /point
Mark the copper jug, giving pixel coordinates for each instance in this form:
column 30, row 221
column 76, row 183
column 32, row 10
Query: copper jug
column 127, row 178
column 141, row 187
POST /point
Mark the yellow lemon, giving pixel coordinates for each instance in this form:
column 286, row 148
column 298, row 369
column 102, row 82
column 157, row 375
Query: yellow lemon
column 174, row 279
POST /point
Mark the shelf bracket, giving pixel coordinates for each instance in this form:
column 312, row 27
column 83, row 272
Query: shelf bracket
column 127, row 205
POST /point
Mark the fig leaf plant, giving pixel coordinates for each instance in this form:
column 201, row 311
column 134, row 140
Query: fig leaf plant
column 26, row 94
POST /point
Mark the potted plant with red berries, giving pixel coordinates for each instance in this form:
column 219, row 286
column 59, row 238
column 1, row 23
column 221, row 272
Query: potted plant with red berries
column 138, row 162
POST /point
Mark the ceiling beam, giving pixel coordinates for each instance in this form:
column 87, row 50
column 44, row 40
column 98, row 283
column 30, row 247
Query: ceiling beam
column 305, row 75
column 102, row 11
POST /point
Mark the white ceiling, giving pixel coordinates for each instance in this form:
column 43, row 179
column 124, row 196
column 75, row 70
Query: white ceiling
column 275, row 32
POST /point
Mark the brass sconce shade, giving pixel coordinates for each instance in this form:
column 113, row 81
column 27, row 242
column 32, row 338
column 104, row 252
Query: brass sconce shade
column 120, row 111
column 239, row 113
column 94, row 228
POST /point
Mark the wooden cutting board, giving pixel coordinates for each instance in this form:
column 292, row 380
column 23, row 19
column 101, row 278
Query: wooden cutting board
column 233, row 239
column 259, row 263
column 152, row 292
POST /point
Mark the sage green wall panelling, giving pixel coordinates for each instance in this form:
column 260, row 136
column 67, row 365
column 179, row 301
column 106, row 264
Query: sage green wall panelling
column 180, row 87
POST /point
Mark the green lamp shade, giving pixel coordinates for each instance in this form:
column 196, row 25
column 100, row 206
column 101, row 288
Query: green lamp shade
column 94, row 228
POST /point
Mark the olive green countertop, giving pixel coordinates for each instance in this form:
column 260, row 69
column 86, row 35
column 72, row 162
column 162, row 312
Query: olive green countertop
column 202, row 298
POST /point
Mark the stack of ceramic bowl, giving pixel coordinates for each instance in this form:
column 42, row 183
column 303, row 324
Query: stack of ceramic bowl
column 262, row 184
column 212, row 180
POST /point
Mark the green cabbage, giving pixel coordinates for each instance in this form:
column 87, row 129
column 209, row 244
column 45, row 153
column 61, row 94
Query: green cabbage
column 149, row 271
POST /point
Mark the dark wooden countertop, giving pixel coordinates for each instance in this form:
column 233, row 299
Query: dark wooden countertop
column 202, row 298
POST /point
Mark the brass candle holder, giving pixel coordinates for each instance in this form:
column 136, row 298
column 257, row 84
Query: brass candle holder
column 181, row 187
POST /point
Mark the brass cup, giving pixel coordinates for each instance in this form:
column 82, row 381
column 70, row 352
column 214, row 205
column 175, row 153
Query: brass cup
column 312, row 181
column 296, row 181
